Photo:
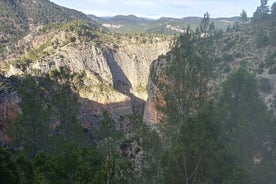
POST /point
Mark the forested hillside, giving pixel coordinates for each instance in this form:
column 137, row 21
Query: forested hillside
column 80, row 104
column 163, row 25
column 214, row 123
column 18, row 18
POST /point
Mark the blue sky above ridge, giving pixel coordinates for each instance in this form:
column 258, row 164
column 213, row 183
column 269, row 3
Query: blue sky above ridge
column 163, row 8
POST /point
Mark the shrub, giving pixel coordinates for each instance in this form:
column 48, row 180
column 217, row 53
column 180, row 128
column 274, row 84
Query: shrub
column 272, row 37
column 262, row 39
column 227, row 69
column 264, row 84
column 272, row 70
column 270, row 59
column 227, row 57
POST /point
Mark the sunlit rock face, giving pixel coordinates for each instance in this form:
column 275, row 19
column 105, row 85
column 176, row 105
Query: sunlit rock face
column 116, row 73
column 116, row 77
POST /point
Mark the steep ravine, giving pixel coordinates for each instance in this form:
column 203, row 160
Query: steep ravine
column 115, row 76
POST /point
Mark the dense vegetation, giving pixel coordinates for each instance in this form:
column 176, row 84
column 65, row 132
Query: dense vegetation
column 211, row 133
column 17, row 18
column 223, row 135
column 56, row 149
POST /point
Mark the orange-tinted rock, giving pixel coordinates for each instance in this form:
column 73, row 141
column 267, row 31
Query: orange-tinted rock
column 9, row 111
column 152, row 112
column 9, row 108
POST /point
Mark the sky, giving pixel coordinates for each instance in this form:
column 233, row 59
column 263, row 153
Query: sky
column 163, row 8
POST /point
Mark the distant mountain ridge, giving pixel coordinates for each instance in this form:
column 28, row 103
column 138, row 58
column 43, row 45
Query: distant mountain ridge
column 164, row 25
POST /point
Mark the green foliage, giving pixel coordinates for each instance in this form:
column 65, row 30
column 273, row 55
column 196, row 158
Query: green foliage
column 190, row 66
column 12, row 22
column 8, row 169
column 76, row 165
column 260, row 69
column 272, row 70
column 204, row 140
column 273, row 10
column 32, row 127
column 166, row 26
column 17, row 14
column 209, row 146
column 229, row 45
column 227, row 69
column 70, row 165
column 44, row 169
column 270, row 59
column 245, row 121
column 264, row 85
column 262, row 12
column 243, row 17
column 55, row 148
column 272, row 37
column 262, row 38
column 49, row 110
column 228, row 57
column 25, row 168
column 199, row 153
column 32, row 56
column 116, row 166
column 150, row 147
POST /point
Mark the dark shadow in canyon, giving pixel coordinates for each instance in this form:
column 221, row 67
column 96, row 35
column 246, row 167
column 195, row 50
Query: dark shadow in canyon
column 88, row 114
column 120, row 81
column 122, row 84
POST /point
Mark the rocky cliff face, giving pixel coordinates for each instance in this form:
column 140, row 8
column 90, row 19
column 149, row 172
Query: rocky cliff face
column 152, row 114
column 114, row 67
column 115, row 75
column 9, row 105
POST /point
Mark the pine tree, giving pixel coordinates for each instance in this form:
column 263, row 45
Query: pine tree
column 32, row 127
column 262, row 11
column 243, row 17
column 273, row 10
column 246, row 121
column 188, row 73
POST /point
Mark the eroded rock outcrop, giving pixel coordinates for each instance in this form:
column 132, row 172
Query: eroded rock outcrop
column 9, row 108
column 9, row 105
column 155, row 101
column 115, row 70
column 116, row 75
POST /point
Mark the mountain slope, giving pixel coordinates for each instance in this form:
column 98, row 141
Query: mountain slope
column 17, row 18
column 164, row 25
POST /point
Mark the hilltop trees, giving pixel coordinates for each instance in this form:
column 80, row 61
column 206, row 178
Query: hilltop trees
column 193, row 132
column 273, row 10
column 189, row 67
column 262, row 11
column 205, row 136
column 243, row 17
